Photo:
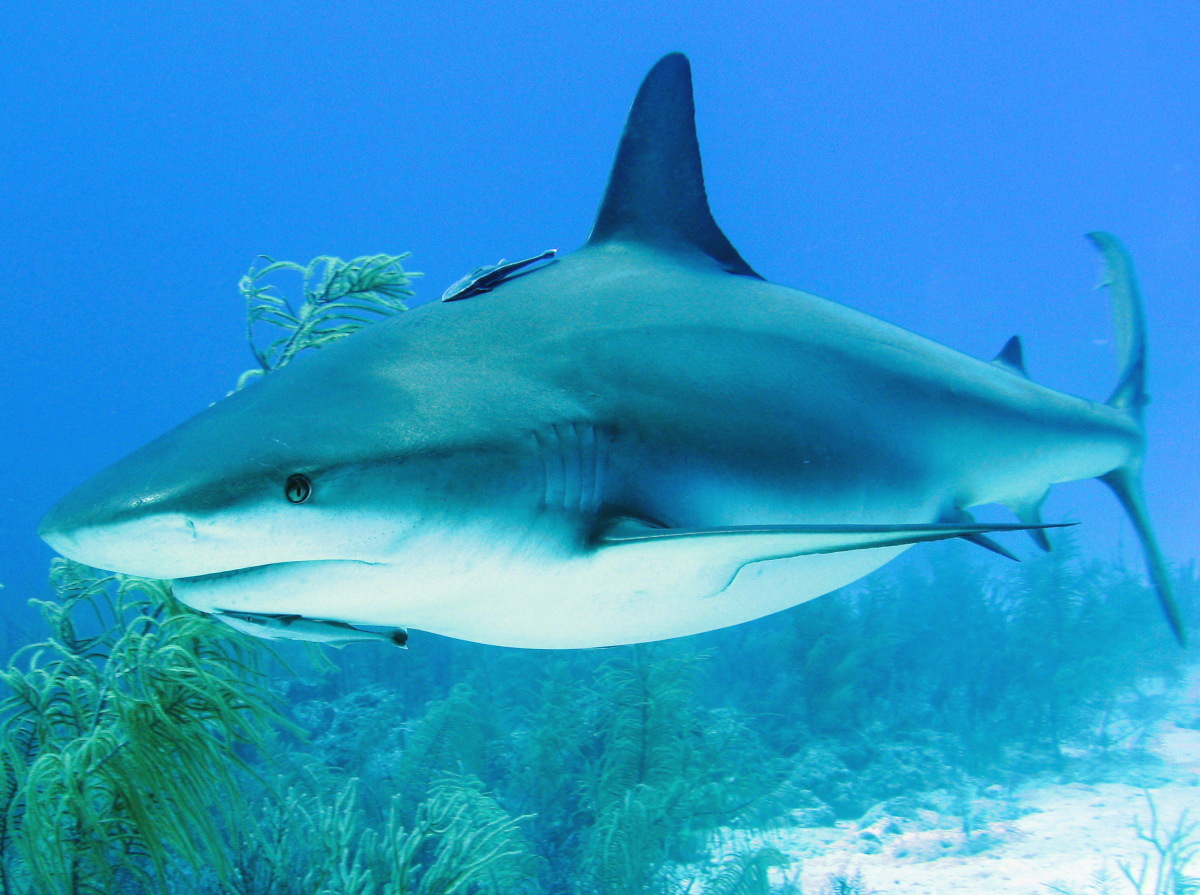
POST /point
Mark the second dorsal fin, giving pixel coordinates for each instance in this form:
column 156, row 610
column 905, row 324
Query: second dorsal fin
column 1012, row 357
column 656, row 191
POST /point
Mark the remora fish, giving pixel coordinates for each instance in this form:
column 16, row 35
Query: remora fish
column 639, row 440
column 295, row 627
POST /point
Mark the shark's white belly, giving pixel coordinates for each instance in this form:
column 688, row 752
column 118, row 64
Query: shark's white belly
column 605, row 601
column 497, row 595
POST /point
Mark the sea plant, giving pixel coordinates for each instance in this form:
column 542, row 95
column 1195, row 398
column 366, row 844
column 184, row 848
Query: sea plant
column 121, row 736
column 845, row 882
column 459, row 840
column 329, row 841
column 641, row 786
column 747, row 872
column 1165, row 871
column 667, row 773
column 338, row 298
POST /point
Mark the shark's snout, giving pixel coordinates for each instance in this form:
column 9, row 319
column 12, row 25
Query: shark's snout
column 126, row 520
column 147, row 531
column 158, row 545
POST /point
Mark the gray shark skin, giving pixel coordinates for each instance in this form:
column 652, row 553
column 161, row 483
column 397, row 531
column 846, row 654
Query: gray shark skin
column 641, row 439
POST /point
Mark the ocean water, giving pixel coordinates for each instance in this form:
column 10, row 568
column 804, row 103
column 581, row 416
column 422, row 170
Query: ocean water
column 934, row 167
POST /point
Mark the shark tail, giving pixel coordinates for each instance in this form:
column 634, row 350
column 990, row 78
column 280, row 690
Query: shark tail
column 1130, row 397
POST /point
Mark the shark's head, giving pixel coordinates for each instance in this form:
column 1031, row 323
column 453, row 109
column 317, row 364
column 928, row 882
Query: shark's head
column 260, row 477
column 272, row 479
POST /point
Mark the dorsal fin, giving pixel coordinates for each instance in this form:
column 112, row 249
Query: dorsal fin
column 656, row 191
column 1012, row 357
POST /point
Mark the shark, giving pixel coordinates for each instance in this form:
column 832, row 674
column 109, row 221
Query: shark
column 638, row 440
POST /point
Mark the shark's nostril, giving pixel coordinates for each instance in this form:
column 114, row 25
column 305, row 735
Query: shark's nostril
column 192, row 528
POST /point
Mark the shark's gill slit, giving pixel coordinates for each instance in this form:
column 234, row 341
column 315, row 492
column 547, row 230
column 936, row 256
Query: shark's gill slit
column 587, row 465
column 572, row 468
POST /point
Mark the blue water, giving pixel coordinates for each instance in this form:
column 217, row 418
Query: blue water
column 932, row 165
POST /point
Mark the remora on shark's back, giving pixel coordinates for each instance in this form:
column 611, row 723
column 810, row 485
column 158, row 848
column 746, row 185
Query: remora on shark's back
column 639, row 440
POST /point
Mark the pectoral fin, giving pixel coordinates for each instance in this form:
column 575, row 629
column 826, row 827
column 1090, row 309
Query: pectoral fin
column 706, row 561
column 755, row 543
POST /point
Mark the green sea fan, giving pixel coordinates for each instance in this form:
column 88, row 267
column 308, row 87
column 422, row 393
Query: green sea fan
column 747, row 873
column 646, row 739
column 643, row 790
column 451, row 737
column 339, row 298
column 1166, row 870
column 459, row 841
column 118, row 745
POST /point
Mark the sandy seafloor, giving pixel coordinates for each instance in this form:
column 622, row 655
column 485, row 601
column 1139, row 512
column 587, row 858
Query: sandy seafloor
column 1042, row 837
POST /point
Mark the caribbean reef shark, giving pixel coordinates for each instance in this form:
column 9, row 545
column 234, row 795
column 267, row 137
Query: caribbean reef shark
column 638, row 440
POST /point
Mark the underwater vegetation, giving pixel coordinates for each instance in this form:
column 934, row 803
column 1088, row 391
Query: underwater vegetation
column 339, row 298
column 460, row 768
column 1164, row 870
column 1174, row 845
column 121, row 736
column 147, row 748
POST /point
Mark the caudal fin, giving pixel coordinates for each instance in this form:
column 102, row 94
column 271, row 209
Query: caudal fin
column 1130, row 396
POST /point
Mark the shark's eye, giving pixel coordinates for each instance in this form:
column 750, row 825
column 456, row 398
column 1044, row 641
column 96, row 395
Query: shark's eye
column 298, row 488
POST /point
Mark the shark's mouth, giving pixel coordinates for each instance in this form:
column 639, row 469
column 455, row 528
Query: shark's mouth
column 268, row 568
column 217, row 576
column 271, row 588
